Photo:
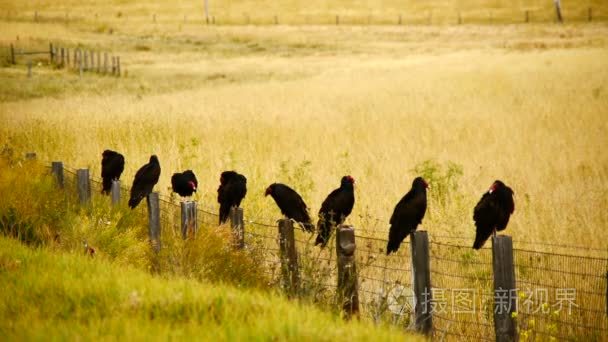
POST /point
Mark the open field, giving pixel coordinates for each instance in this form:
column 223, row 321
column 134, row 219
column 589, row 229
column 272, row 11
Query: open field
column 462, row 105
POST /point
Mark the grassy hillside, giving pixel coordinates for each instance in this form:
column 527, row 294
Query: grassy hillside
column 48, row 295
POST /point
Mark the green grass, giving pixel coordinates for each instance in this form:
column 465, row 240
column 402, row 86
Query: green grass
column 49, row 295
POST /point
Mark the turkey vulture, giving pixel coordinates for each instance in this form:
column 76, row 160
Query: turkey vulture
column 492, row 212
column 232, row 190
column 144, row 181
column 334, row 210
column 407, row 215
column 291, row 204
column 112, row 165
column 184, row 183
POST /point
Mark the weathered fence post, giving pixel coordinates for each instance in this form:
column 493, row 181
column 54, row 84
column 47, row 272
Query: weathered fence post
column 113, row 65
column 29, row 68
column 590, row 14
column 399, row 21
column 154, row 221
column 84, row 186
column 115, row 192
column 92, row 53
column 289, row 257
column 57, row 171
column 35, row 15
column 189, row 221
column 67, row 57
column 459, row 18
column 348, row 284
column 337, row 20
column 505, row 294
column 117, row 66
column 30, row 156
column 558, row 10
column 85, row 59
column 276, row 20
column 527, row 17
column 421, row 280
column 12, row 54
column 62, row 52
column 51, row 53
column 105, row 62
column 98, row 62
column 238, row 226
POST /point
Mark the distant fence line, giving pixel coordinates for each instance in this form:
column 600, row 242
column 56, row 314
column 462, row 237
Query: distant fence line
column 444, row 290
column 78, row 59
column 429, row 17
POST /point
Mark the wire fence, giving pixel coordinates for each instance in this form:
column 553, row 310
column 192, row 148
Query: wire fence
column 559, row 296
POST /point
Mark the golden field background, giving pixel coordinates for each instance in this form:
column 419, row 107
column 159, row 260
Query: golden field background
column 305, row 105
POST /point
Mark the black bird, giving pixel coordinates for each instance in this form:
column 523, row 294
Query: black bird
column 492, row 212
column 112, row 166
column 144, row 181
column 334, row 210
column 408, row 214
column 232, row 190
column 185, row 183
column 291, row 204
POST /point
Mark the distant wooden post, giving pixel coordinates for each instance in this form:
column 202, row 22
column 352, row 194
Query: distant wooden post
column 62, row 57
column 80, row 67
column 238, row 226
column 57, row 171
column 154, row 221
column 113, row 65
column 92, row 54
column 115, row 192
column 51, row 53
column 207, row 11
column 348, row 284
column 590, row 14
column 505, row 295
column 85, row 59
column 105, row 62
column 117, row 66
column 276, row 20
column 12, row 54
column 558, row 10
column 67, row 57
column 527, row 17
column 35, row 15
column 189, row 221
column 84, row 186
column 459, row 18
column 337, row 20
column 30, row 156
column 421, row 280
column 98, row 62
column 29, row 68
column 399, row 21
column 289, row 257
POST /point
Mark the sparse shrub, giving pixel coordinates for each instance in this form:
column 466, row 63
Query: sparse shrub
column 443, row 179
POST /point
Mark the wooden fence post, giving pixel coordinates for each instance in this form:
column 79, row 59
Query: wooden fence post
column 558, row 10
column 154, row 221
column 12, row 54
column 399, row 21
column 30, row 156
column 590, row 14
column 337, row 20
column 115, row 192
column 67, row 57
column 84, row 186
column 62, row 57
column 85, row 59
column 189, row 221
column 57, row 171
column 421, row 280
column 348, row 284
column 35, row 15
column 505, row 294
column 276, row 20
column 238, row 226
column 92, row 53
column 117, row 66
column 105, row 62
column 289, row 257
column 51, row 53
column 527, row 17
column 29, row 68
column 98, row 62
column 113, row 65
column 459, row 18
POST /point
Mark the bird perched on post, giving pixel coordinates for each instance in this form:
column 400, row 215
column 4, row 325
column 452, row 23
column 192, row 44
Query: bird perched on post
column 184, row 184
column 408, row 214
column 493, row 211
column 334, row 210
column 291, row 204
column 232, row 190
column 145, row 179
column 112, row 166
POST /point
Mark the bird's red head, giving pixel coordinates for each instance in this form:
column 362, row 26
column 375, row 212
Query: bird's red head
column 350, row 179
column 497, row 184
column 268, row 191
column 192, row 185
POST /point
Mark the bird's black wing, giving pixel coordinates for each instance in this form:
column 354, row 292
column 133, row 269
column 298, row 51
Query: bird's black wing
column 143, row 183
column 292, row 205
column 485, row 214
column 408, row 214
